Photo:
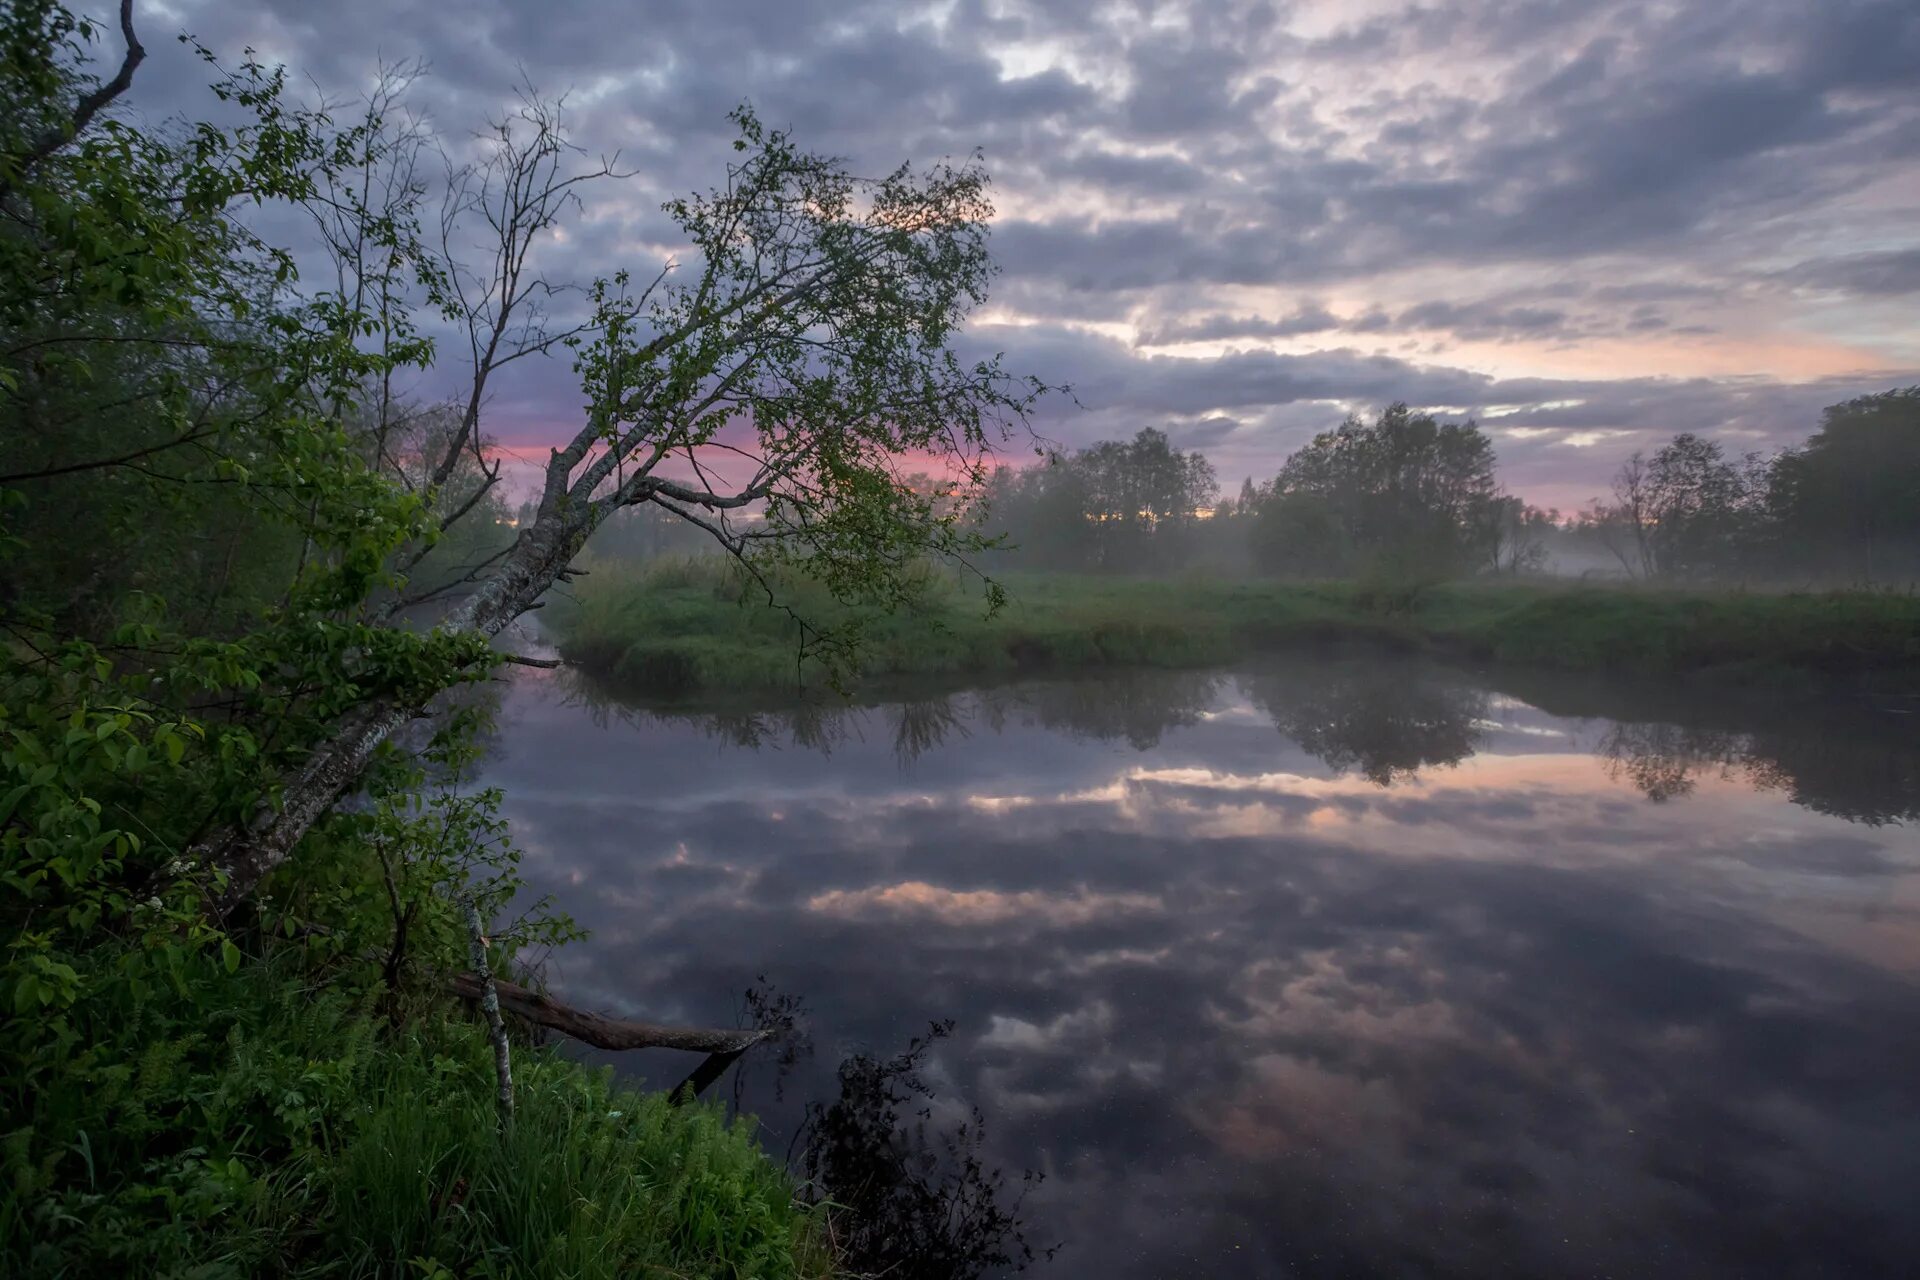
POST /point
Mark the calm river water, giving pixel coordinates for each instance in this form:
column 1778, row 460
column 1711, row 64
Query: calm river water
column 1314, row 968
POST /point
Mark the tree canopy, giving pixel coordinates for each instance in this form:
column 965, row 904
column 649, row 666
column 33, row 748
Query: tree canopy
column 1118, row 505
column 1406, row 495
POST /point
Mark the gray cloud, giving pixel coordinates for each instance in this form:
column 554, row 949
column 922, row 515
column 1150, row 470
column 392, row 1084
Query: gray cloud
column 1207, row 170
column 1891, row 274
column 1481, row 320
column 1308, row 318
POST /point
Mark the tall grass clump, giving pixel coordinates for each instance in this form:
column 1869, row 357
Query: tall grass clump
column 591, row 1180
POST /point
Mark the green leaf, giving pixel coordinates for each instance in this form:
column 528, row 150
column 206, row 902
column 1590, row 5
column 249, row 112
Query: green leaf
column 12, row 800
column 229, row 955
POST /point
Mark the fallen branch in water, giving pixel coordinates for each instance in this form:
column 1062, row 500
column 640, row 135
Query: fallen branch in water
column 600, row 1031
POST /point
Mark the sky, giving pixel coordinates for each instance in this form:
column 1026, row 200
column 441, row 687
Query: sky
column 1591, row 224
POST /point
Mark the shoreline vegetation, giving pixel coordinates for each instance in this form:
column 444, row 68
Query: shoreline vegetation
column 692, row 627
column 299, row 1126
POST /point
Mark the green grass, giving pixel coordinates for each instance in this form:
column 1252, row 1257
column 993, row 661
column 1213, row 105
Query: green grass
column 1677, row 631
column 593, row 1180
column 255, row 1124
column 690, row 627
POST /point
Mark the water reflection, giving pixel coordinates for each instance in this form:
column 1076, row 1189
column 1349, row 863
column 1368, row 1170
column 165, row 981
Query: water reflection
column 1664, row 761
column 1304, row 971
column 1136, row 707
column 1856, row 756
column 1385, row 721
column 905, row 1196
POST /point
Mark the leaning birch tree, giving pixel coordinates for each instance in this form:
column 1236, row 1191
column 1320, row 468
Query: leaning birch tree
column 764, row 391
column 234, row 432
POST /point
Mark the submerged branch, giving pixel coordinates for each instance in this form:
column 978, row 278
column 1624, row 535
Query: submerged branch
column 600, row 1031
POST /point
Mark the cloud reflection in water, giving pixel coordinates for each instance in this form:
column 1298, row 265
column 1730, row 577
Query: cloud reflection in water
column 1323, row 969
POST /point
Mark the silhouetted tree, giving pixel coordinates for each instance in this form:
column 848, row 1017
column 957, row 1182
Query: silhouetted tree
column 1686, row 512
column 1408, row 496
column 907, row 1199
column 1517, row 536
column 1848, row 502
column 1119, row 505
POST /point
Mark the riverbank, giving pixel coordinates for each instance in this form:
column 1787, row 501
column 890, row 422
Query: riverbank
column 263, row 1119
column 688, row 627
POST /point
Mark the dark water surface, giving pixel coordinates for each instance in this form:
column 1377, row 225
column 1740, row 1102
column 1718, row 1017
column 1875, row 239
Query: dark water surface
column 1314, row 968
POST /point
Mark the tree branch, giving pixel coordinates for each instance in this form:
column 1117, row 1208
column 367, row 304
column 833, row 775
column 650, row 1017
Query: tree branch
column 599, row 1030
column 90, row 106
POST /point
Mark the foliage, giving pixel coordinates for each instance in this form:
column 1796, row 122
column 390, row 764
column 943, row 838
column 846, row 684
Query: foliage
column 165, row 381
column 1519, row 536
column 1407, row 498
column 812, row 350
column 1687, row 512
column 262, row 1121
column 1838, row 508
column 1843, row 505
column 1408, row 501
column 234, row 557
column 1131, row 505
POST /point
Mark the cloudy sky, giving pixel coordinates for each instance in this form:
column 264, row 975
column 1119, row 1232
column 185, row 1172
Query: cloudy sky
column 1591, row 223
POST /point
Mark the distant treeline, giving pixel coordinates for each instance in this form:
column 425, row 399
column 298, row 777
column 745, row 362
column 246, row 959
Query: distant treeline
column 1410, row 497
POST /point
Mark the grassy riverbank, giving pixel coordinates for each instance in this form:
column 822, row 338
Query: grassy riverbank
column 262, row 1123
column 689, row 626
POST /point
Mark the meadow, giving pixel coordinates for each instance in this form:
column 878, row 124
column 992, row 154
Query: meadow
column 682, row 626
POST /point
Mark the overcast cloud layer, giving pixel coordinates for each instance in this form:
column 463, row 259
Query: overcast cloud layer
column 1591, row 224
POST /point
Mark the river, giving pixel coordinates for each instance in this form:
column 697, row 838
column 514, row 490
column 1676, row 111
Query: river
column 1315, row 967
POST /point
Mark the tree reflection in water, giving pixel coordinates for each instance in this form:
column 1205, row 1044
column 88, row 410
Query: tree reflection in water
column 1386, row 721
column 906, row 1195
column 905, row 1191
column 1138, row 707
column 1665, row 761
column 1851, row 756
